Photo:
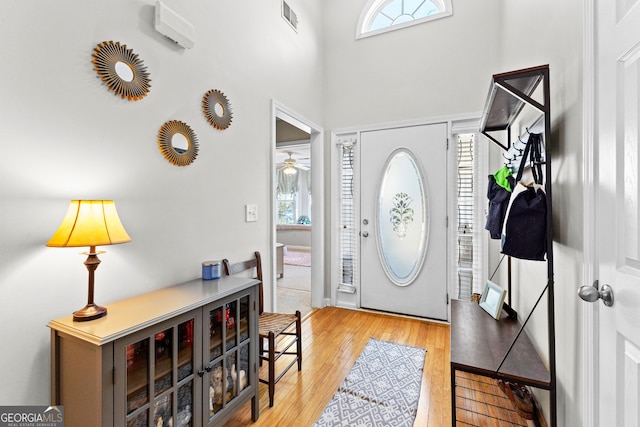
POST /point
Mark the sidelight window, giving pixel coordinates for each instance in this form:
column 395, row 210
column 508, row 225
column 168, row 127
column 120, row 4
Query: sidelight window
column 469, row 221
column 348, row 215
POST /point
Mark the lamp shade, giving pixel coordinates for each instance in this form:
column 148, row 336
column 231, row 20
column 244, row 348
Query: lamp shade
column 90, row 223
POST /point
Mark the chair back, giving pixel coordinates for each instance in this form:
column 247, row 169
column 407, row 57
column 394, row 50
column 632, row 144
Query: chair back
column 253, row 264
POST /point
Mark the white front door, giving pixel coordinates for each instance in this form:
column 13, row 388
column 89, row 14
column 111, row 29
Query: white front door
column 617, row 212
column 403, row 209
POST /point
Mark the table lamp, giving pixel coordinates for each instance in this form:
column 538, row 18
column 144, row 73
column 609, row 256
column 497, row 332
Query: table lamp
column 90, row 223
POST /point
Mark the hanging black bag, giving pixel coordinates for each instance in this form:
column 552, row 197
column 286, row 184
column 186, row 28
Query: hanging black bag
column 524, row 232
column 498, row 201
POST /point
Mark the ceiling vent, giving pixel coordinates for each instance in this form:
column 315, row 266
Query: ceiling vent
column 289, row 15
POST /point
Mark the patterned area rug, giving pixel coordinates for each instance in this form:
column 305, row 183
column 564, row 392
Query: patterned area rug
column 382, row 388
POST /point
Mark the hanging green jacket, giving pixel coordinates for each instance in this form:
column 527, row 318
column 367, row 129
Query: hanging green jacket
column 501, row 178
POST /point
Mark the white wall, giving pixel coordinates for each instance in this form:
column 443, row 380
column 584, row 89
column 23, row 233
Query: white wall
column 66, row 136
column 433, row 69
column 550, row 32
column 429, row 70
column 445, row 68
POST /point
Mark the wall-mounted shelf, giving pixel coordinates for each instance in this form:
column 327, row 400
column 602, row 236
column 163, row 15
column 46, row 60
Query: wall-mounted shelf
column 501, row 349
column 508, row 95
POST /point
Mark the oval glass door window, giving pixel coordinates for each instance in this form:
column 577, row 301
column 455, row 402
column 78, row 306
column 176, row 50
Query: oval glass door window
column 402, row 223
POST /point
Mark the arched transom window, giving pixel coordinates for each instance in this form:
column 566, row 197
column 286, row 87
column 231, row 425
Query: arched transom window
column 380, row 16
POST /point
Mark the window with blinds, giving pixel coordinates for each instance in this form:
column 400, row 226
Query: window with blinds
column 466, row 209
column 348, row 227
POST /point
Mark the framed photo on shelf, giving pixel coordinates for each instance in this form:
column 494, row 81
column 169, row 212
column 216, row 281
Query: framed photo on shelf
column 492, row 299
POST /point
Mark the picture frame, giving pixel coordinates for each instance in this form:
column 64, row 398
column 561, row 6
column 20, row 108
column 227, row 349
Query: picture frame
column 492, row 299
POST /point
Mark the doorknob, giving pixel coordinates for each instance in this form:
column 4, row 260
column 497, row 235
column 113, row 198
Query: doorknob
column 592, row 293
column 365, row 234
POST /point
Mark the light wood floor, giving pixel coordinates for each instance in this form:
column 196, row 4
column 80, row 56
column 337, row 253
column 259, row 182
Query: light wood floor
column 333, row 338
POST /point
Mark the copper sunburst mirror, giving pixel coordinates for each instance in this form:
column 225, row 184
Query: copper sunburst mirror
column 121, row 70
column 217, row 109
column 178, row 143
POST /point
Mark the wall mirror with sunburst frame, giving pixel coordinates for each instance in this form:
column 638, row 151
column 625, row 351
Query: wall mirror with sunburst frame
column 217, row 109
column 122, row 70
column 178, row 143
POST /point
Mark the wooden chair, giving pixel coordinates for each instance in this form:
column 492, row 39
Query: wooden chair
column 271, row 327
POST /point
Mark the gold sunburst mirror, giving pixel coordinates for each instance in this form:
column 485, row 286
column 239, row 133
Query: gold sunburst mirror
column 217, row 109
column 178, row 143
column 121, row 70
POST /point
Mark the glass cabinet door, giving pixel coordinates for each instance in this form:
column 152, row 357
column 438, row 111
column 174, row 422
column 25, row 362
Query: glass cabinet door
column 243, row 348
column 217, row 318
column 222, row 338
column 159, row 384
column 137, row 382
column 228, row 353
column 186, row 372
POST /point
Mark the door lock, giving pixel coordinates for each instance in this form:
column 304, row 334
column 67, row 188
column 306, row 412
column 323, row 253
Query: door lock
column 592, row 293
column 365, row 222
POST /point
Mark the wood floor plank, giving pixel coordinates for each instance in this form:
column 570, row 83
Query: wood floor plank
column 333, row 338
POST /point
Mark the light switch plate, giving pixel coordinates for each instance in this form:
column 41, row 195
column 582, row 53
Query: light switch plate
column 251, row 213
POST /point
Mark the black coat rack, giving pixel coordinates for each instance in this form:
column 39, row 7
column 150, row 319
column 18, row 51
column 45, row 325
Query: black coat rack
column 508, row 95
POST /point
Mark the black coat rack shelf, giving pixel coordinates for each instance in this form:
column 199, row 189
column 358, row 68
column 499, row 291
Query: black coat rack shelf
column 501, row 349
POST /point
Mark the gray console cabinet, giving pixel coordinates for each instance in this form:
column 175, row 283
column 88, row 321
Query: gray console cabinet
column 180, row 356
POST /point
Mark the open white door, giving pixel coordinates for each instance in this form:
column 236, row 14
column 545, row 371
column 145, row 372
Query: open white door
column 616, row 218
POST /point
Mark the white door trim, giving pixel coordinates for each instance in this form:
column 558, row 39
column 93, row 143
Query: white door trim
column 456, row 124
column 590, row 341
column 279, row 110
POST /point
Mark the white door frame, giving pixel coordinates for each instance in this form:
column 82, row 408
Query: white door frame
column 461, row 123
column 590, row 321
column 280, row 111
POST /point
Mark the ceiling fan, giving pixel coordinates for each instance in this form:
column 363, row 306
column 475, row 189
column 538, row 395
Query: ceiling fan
column 290, row 166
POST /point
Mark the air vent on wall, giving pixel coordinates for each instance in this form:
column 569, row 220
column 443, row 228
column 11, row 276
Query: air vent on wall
column 289, row 15
column 174, row 26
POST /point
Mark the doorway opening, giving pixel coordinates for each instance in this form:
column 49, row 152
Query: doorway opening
column 293, row 218
column 297, row 218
